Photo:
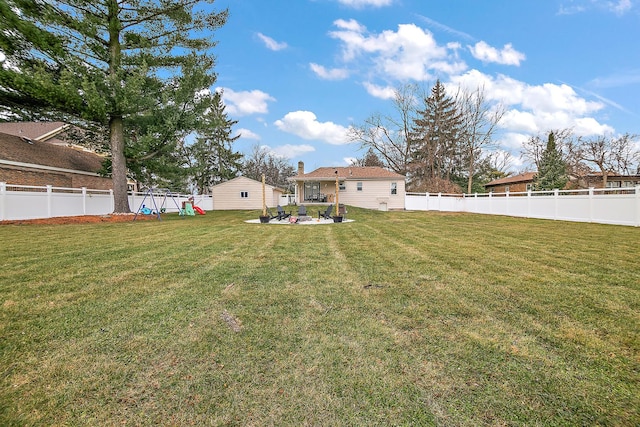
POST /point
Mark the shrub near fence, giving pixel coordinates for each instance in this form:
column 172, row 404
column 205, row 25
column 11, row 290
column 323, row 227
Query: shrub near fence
column 18, row 202
column 600, row 205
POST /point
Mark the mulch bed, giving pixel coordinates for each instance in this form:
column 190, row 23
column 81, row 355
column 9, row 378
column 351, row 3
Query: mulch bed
column 84, row 219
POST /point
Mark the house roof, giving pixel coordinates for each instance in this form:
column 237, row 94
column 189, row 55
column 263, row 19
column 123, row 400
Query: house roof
column 348, row 173
column 523, row 177
column 40, row 131
column 29, row 151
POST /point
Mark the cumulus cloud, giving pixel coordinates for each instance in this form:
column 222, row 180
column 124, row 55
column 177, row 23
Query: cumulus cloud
column 244, row 103
column 536, row 108
column 305, row 124
column 271, row 43
column 506, row 56
column 247, row 134
column 386, row 92
column 290, row 151
column 329, row 74
column 408, row 53
column 359, row 4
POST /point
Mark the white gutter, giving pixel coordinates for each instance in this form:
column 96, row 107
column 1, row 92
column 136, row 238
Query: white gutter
column 48, row 168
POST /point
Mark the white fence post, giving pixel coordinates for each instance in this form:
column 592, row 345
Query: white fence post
column 49, row 201
column 556, row 195
column 637, row 205
column 590, row 204
column 3, row 199
column 84, row 200
column 529, row 203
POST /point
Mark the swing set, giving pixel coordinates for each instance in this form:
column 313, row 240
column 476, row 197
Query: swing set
column 152, row 193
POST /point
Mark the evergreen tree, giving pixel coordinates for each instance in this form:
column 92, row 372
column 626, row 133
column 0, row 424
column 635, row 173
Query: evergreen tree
column 131, row 67
column 370, row 159
column 552, row 170
column 212, row 158
column 435, row 135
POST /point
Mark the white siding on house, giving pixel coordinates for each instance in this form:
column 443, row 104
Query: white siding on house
column 229, row 195
column 375, row 194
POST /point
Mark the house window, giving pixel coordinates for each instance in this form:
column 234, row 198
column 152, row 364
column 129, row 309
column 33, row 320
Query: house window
column 359, row 186
column 529, row 187
column 342, row 186
column 506, row 188
column 244, row 194
column 614, row 184
column 394, row 188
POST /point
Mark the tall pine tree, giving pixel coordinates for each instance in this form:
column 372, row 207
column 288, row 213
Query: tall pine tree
column 115, row 64
column 435, row 135
column 212, row 157
column 552, row 170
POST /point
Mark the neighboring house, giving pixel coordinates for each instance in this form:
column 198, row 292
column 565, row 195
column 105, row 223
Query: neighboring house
column 517, row 183
column 525, row 182
column 613, row 180
column 26, row 161
column 244, row 193
column 368, row 187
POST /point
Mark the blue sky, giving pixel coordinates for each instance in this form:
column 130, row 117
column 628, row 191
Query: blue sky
column 297, row 73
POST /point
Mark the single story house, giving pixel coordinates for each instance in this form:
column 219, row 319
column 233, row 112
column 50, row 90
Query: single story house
column 614, row 180
column 369, row 187
column 517, row 183
column 244, row 193
column 26, row 161
column 525, row 182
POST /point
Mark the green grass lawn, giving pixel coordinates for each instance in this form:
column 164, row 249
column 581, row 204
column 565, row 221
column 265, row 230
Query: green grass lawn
column 398, row 318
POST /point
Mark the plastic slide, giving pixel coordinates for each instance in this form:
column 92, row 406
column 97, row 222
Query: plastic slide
column 199, row 210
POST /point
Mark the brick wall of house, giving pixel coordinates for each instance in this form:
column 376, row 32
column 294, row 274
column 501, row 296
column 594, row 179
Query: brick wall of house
column 55, row 179
column 513, row 188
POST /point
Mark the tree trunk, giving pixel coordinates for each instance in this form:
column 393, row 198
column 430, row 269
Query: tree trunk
column 118, row 166
column 116, row 127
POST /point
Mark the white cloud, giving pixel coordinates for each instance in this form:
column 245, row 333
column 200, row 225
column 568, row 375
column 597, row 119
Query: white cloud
column 359, row 4
column 332, row 74
column 386, row 92
column 245, row 102
column 620, row 7
column 532, row 109
column 290, row 151
column 507, row 56
column 409, row 53
column 247, row 134
column 271, row 43
column 306, row 125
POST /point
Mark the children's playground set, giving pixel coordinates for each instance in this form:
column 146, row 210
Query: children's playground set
column 155, row 208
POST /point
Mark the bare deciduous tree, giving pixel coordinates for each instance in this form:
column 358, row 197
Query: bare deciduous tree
column 480, row 122
column 388, row 135
column 612, row 155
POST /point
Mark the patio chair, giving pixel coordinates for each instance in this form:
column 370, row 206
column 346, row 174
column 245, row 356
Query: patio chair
column 302, row 210
column 282, row 214
column 326, row 214
column 271, row 214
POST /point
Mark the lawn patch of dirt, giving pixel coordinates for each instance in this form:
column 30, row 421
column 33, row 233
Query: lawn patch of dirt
column 82, row 219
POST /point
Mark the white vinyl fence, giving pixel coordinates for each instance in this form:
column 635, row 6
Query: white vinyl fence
column 619, row 206
column 28, row 202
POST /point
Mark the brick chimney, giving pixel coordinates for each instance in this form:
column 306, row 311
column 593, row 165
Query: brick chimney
column 300, row 168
